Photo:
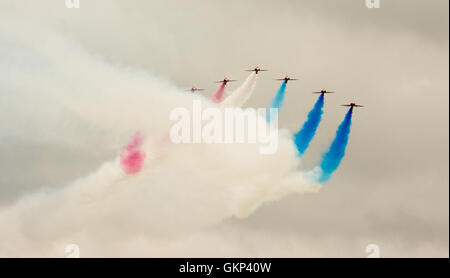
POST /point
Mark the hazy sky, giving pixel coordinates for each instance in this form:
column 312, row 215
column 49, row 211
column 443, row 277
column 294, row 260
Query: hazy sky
column 392, row 188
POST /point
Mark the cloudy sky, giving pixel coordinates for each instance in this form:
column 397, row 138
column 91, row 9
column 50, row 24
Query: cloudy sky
column 392, row 188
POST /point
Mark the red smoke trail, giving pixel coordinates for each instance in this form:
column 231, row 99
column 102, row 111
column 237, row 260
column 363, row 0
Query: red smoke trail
column 131, row 157
column 217, row 97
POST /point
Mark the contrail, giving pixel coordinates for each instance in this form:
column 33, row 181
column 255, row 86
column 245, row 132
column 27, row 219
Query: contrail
column 304, row 136
column 278, row 100
column 217, row 97
column 333, row 157
column 243, row 93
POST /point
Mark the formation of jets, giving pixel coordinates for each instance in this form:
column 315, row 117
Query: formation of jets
column 257, row 69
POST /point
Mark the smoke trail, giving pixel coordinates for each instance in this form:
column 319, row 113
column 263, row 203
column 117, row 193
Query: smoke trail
column 186, row 189
column 333, row 157
column 217, row 97
column 278, row 100
column 131, row 157
column 243, row 93
column 304, row 136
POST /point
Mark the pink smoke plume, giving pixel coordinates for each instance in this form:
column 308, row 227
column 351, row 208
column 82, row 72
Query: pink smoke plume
column 217, row 97
column 131, row 157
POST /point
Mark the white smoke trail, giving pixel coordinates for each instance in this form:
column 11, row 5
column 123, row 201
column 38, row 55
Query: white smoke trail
column 55, row 92
column 243, row 93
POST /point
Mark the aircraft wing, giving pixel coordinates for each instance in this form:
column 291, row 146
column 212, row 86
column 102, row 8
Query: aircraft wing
column 346, row 105
column 357, row 105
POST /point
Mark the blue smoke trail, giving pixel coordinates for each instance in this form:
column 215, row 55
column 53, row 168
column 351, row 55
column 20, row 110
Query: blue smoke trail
column 277, row 101
column 304, row 136
column 333, row 157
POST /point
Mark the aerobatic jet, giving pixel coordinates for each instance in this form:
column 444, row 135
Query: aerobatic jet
column 286, row 79
column 256, row 70
column 323, row 91
column 194, row 89
column 225, row 80
column 352, row 104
